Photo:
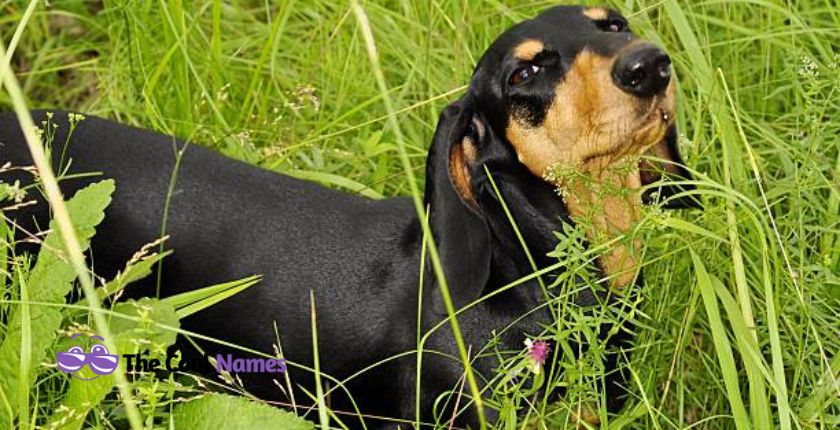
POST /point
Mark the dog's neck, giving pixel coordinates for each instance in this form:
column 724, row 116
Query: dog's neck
column 603, row 198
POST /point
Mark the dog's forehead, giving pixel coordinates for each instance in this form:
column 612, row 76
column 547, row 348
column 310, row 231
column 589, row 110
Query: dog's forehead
column 564, row 29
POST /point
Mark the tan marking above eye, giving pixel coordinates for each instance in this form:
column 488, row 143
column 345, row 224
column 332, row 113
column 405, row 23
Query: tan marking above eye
column 596, row 13
column 527, row 50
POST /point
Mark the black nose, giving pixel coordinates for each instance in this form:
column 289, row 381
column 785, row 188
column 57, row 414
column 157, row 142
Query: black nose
column 644, row 71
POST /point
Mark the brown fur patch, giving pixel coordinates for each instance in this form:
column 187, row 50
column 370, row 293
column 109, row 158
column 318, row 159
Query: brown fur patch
column 527, row 50
column 606, row 204
column 586, row 417
column 460, row 159
column 595, row 13
column 590, row 126
column 581, row 416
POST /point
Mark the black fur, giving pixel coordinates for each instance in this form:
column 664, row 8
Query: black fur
column 361, row 257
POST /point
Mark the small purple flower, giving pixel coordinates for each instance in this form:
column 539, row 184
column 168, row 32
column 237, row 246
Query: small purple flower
column 537, row 353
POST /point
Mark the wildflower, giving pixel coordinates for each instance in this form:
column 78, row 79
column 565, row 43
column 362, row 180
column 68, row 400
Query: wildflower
column 809, row 68
column 223, row 94
column 537, row 353
column 75, row 118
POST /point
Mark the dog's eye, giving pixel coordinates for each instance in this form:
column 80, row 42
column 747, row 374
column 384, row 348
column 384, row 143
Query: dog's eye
column 613, row 25
column 524, row 73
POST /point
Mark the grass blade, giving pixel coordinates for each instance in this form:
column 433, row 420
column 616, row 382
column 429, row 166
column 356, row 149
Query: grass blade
column 323, row 416
column 24, row 384
column 65, row 226
column 209, row 296
column 722, row 345
column 367, row 32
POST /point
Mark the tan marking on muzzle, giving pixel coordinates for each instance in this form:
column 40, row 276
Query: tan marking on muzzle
column 527, row 50
column 588, row 146
column 596, row 13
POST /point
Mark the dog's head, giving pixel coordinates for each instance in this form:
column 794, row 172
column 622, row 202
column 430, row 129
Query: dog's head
column 572, row 89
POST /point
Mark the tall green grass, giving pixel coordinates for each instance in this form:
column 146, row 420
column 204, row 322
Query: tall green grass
column 738, row 326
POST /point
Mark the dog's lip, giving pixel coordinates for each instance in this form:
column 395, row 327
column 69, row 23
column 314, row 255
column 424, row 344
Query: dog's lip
column 658, row 108
column 657, row 111
column 661, row 112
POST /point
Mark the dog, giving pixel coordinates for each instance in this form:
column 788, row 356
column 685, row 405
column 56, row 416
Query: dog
column 572, row 87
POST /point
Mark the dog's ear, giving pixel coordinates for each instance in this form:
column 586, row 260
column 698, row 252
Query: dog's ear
column 661, row 165
column 460, row 231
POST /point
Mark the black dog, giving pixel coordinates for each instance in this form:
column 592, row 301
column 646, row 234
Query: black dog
column 571, row 87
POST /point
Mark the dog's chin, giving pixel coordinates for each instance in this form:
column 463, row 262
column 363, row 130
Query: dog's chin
column 649, row 133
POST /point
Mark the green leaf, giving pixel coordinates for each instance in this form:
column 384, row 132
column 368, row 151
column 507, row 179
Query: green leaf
column 191, row 302
column 237, row 413
column 49, row 281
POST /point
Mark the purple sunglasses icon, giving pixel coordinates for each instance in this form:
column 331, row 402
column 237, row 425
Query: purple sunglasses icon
column 98, row 360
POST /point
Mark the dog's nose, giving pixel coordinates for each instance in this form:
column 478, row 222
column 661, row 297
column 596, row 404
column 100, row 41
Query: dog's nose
column 643, row 72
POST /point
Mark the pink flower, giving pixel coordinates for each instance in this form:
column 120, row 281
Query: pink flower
column 537, row 352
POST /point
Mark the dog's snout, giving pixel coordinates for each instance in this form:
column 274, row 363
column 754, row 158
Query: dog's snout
column 643, row 72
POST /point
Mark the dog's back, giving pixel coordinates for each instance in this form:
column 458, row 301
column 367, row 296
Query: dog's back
column 228, row 220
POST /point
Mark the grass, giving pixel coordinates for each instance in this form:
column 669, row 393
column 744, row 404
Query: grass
column 738, row 323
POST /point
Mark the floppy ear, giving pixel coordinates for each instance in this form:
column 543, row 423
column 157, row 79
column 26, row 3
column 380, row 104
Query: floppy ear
column 460, row 231
column 671, row 169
